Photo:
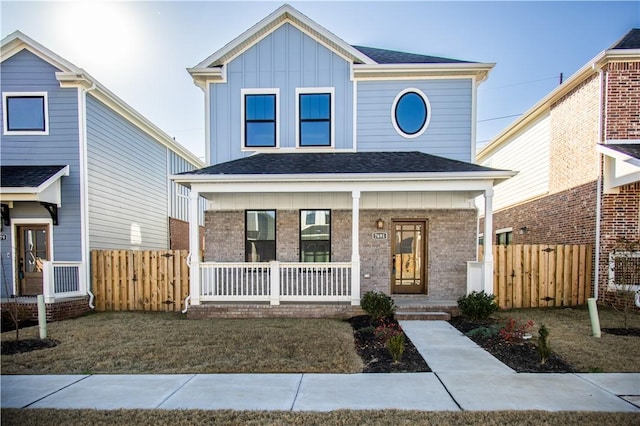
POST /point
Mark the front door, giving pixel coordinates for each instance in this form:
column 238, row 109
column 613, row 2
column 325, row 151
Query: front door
column 408, row 258
column 33, row 249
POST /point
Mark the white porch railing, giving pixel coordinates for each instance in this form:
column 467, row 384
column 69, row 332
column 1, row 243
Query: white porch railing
column 63, row 279
column 276, row 281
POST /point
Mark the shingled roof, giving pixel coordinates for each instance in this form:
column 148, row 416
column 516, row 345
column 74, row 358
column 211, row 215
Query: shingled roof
column 27, row 176
column 630, row 40
column 383, row 56
column 630, row 149
column 340, row 163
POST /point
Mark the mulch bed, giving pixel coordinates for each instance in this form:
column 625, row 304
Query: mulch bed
column 519, row 355
column 376, row 356
column 11, row 347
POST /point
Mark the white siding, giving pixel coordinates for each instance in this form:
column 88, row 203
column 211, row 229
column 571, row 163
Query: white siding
column 528, row 154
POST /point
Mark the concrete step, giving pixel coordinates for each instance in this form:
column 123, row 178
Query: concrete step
column 422, row 316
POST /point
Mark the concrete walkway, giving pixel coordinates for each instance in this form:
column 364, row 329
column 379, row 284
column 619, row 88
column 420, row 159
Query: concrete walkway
column 464, row 377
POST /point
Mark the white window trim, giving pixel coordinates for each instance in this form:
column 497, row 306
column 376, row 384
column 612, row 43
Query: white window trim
column 321, row 90
column 5, row 124
column 611, row 285
column 393, row 113
column 259, row 91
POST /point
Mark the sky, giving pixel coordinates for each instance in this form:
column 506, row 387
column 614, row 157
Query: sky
column 140, row 49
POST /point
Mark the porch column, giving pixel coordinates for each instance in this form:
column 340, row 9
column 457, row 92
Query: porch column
column 355, row 248
column 487, row 279
column 194, row 247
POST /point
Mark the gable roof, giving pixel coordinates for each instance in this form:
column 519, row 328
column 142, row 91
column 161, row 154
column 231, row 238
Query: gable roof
column 71, row 75
column 29, row 176
column 314, row 163
column 626, row 49
column 368, row 62
column 383, row 56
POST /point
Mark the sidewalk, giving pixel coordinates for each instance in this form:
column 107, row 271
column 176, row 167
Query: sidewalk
column 464, row 377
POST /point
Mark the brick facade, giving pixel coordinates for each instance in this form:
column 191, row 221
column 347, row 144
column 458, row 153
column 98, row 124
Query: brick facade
column 260, row 310
column 58, row 311
column 450, row 244
column 622, row 117
column 179, row 234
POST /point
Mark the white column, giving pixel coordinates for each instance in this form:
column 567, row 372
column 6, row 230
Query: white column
column 48, row 286
column 487, row 282
column 355, row 248
column 274, row 298
column 194, row 247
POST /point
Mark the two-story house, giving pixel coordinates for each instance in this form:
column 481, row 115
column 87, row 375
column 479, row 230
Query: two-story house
column 81, row 170
column 577, row 152
column 335, row 170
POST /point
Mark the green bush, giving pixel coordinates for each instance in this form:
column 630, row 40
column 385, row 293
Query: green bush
column 395, row 345
column 377, row 305
column 544, row 348
column 477, row 306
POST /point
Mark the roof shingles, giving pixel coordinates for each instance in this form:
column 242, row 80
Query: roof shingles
column 26, row 176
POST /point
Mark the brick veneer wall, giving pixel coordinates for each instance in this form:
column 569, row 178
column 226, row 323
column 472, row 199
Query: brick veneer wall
column 179, row 234
column 259, row 310
column 622, row 119
column 574, row 134
column 451, row 244
column 620, row 220
column 58, row 311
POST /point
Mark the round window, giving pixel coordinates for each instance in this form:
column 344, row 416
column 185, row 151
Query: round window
column 410, row 113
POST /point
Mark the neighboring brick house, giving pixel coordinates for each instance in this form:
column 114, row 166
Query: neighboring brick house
column 577, row 153
column 335, row 170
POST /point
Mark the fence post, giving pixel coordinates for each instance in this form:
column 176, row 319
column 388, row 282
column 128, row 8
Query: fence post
column 48, row 289
column 275, row 282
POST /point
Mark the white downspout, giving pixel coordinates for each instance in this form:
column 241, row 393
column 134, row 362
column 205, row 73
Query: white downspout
column 596, row 274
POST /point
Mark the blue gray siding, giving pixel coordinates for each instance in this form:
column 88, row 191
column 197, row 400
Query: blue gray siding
column 285, row 59
column 179, row 194
column 449, row 132
column 127, row 183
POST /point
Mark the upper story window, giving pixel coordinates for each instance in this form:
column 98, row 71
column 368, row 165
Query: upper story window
column 315, row 235
column 25, row 113
column 260, row 232
column 411, row 113
column 315, row 117
column 260, row 118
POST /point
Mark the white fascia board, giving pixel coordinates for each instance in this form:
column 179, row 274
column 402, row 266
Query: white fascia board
column 379, row 71
column 203, row 76
column 48, row 191
column 268, row 24
column 17, row 41
column 616, row 55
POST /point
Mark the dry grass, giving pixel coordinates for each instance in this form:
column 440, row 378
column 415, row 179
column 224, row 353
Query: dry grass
column 571, row 337
column 343, row 417
column 147, row 343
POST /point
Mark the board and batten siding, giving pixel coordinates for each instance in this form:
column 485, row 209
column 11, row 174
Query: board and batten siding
column 342, row 201
column 528, row 154
column 127, row 183
column 25, row 72
column 449, row 132
column 285, row 59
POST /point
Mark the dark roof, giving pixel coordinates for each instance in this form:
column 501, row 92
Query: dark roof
column 340, row 163
column 26, row 176
column 630, row 40
column 632, row 149
column 383, row 56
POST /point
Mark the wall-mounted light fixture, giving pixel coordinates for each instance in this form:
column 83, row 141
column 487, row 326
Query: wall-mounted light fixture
column 524, row 230
column 380, row 224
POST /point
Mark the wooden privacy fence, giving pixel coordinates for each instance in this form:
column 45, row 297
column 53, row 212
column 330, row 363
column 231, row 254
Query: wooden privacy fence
column 130, row 280
column 529, row 276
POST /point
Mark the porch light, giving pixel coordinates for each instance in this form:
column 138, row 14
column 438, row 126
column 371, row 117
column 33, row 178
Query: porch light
column 380, row 224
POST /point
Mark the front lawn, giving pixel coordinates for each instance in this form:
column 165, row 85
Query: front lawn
column 154, row 343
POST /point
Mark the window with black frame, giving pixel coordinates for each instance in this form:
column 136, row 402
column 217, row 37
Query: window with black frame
column 315, row 235
column 260, row 231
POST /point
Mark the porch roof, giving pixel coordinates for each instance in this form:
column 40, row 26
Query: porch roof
column 32, row 183
column 340, row 163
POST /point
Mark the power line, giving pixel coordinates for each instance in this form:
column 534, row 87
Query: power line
column 498, row 118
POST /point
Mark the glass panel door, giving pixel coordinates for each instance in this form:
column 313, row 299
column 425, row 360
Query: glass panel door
column 408, row 258
column 32, row 251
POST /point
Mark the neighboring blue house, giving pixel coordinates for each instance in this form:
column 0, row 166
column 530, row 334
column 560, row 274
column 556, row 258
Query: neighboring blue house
column 81, row 170
column 335, row 170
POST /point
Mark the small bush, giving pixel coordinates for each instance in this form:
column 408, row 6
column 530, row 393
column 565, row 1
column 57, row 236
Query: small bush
column 477, row 306
column 395, row 345
column 512, row 331
column 377, row 305
column 544, row 348
column 483, row 332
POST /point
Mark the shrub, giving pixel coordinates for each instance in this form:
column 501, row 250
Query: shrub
column 377, row 305
column 483, row 332
column 395, row 345
column 477, row 306
column 544, row 348
column 513, row 331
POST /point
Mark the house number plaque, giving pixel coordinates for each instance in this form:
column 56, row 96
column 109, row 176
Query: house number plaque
column 379, row 235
